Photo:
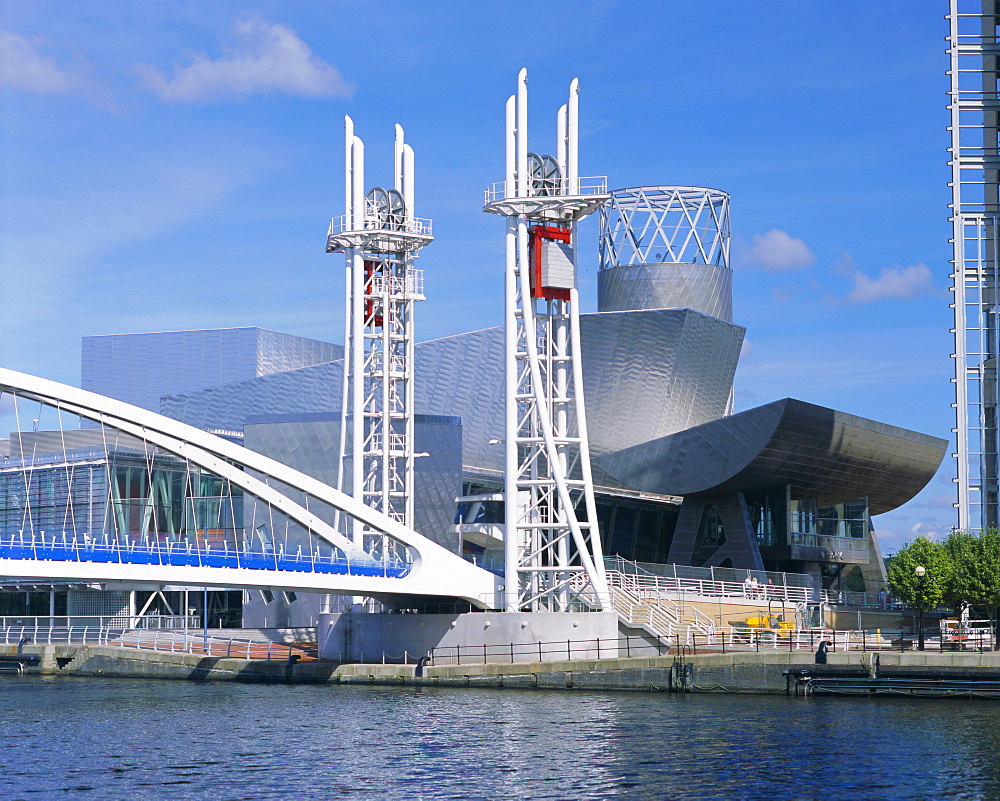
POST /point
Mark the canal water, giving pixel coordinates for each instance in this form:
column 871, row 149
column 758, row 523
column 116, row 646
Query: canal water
column 123, row 739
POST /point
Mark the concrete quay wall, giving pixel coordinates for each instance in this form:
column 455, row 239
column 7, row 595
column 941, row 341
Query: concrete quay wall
column 741, row 672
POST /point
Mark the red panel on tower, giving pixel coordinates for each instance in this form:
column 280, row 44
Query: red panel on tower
column 552, row 273
column 370, row 268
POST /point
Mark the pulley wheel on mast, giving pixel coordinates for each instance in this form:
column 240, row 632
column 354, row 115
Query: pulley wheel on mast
column 385, row 209
column 545, row 175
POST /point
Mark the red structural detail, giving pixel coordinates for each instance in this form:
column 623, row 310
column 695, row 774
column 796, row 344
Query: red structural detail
column 538, row 234
column 370, row 268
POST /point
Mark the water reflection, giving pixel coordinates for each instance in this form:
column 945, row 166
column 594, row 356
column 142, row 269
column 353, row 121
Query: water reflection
column 149, row 740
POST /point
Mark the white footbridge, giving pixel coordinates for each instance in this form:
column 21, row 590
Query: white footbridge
column 134, row 497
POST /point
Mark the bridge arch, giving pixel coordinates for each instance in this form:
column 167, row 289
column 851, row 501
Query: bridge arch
column 430, row 570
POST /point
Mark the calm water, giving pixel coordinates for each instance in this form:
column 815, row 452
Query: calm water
column 68, row 738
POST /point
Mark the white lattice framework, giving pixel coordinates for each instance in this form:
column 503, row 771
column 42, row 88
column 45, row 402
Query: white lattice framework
column 974, row 48
column 665, row 224
column 553, row 555
column 380, row 237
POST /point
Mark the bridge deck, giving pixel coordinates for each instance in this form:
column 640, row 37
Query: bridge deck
column 180, row 554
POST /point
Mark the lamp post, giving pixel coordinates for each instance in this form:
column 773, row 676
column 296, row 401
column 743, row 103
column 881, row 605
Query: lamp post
column 920, row 572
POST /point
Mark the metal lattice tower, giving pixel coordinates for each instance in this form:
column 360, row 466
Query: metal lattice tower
column 553, row 555
column 665, row 224
column 666, row 247
column 380, row 237
column 974, row 49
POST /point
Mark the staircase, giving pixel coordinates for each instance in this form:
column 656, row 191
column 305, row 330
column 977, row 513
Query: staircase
column 650, row 617
column 650, row 609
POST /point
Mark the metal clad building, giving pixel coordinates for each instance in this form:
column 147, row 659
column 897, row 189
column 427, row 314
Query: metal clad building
column 140, row 368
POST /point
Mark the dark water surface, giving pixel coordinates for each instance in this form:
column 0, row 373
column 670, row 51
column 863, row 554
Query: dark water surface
column 137, row 740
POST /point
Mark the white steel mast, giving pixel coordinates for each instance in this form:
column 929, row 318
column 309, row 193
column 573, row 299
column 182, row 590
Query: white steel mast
column 974, row 51
column 380, row 237
column 553, row 555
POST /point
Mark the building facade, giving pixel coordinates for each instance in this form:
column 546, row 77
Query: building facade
column 140, row 368
column 788, row 486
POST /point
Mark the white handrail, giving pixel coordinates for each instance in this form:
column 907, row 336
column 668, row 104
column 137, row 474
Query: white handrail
column 713, row 589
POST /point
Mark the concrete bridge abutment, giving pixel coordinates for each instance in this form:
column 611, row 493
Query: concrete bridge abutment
column 468, row 637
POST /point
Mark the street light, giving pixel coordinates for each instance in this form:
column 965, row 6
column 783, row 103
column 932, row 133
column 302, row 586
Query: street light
column 920, row 572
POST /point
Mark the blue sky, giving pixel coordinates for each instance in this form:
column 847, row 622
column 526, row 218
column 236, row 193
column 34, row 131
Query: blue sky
column 174, row 165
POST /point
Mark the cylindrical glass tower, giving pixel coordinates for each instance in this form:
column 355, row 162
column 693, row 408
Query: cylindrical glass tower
column 666, row 247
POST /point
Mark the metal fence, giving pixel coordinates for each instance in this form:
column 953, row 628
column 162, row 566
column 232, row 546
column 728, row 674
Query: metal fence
column 193, row 622
column 172, row 641
column 709, row 588
column 694, row 642
column 551, row 651
column 759, row 585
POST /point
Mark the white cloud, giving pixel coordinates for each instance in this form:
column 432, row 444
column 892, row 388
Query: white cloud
column 776, row 251
column 895, row 535
column 23, row 66
column 893, row 283
column 268, row 58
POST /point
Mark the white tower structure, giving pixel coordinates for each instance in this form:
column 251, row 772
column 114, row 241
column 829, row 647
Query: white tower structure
column 553, row 555
column 974, row 50
column 380, row 238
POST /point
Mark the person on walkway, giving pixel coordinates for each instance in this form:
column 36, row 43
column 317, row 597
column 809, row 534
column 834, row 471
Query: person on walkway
column 821, row 652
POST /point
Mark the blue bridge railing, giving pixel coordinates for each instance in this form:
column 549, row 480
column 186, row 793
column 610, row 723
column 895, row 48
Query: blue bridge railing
column 188, row 554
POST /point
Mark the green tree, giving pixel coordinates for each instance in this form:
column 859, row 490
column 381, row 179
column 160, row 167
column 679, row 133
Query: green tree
column 937, row 581
column 976, row 574
column 962, row 548
column 989, row 560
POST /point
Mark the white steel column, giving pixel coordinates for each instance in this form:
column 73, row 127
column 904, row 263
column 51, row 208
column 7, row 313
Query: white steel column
column 354, row 348
column 554, row 559
column 512, row 500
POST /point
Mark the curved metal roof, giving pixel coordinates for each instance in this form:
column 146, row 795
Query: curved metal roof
column 822, row 453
